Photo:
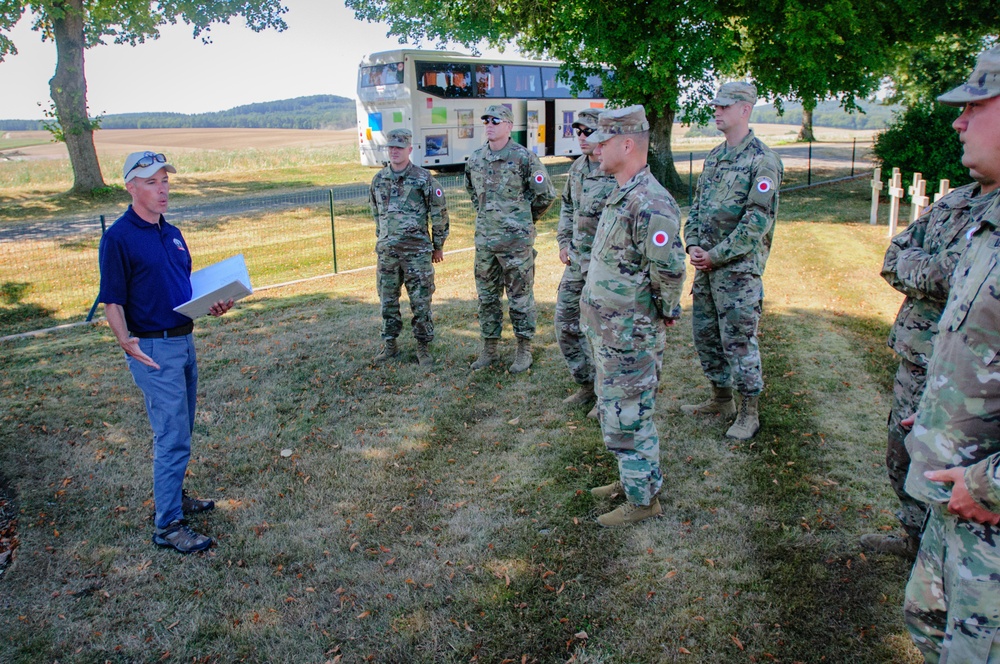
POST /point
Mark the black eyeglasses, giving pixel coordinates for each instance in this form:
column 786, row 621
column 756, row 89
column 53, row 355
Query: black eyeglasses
column 584, row 131
column 148, row 159
column 492, row 121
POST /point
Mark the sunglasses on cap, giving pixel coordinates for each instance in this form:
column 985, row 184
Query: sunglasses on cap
column 493, row 121
column 584, row 131
column 148, row 159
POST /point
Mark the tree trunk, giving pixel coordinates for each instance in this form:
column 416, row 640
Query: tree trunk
column 661, row 157
column 806, row 131
column 69, row 93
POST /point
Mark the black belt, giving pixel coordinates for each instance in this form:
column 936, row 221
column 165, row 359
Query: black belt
column 179, row 331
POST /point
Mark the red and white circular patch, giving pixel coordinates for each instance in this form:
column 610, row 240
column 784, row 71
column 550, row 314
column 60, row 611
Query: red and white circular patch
column 438, row 193
column 660, row 238
column 539, row 178
column 765, row 185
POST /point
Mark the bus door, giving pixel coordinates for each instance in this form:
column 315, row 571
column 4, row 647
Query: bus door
column 536, row 127
column 550, row 126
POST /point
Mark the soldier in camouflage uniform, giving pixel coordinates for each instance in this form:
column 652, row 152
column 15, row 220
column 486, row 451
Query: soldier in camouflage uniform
column 587, row 188
column 633, row 289
column 403, row 196
column 728, row 237
column 952, row 605
column 918, row 263
column 510, row 191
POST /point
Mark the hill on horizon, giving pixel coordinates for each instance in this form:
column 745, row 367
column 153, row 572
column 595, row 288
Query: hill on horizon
column 312, row 112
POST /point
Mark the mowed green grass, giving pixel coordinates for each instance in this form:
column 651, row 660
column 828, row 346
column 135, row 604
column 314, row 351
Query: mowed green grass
column 442, row 517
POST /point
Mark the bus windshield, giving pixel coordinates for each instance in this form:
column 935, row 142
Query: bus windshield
column 387, row 74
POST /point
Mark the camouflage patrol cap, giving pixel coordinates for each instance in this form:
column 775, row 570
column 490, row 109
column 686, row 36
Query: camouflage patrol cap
column 983, row 83
column 399, row 138
column 735, row 91
column 618, row 121
column 498, row 111
column 587, row 118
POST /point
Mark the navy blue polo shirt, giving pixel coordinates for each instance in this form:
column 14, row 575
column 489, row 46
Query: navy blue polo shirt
column 145, row 268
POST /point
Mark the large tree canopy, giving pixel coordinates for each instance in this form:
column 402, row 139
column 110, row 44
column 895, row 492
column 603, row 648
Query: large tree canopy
column 75, row 25
column 659, row 53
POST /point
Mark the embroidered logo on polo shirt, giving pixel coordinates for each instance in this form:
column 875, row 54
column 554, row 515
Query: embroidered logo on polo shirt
column 180, row 245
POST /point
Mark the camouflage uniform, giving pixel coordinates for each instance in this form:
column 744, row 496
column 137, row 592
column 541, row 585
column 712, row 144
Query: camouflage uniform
column 953, row 598
column 510, row 191
column 919, row 263
column 587, row 188
column 634, row 283
column 732, row 217
column 401, row 203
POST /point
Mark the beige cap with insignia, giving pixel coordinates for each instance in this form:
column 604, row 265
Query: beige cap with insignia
column 619, row 121
column 983, row 83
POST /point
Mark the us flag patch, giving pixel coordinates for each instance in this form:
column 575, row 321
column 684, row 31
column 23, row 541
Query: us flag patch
column 660, row 238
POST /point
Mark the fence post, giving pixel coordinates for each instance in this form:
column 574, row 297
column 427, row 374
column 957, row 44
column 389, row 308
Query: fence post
column 854, row 149
column 896, row 192
column 809, row 169
column 876, row 187
column 93, row 307
column 333, row 233
column 690, row 178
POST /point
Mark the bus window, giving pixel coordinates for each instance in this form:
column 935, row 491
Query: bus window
column 489, row 81
column 388, row 74
column 444, row 79
column 523, row 81
column 554, row 87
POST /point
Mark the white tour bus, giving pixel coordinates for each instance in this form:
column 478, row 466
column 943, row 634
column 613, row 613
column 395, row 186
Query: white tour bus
column 440, row 96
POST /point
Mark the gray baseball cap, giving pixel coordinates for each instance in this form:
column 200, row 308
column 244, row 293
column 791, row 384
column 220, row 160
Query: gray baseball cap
column 399, row 138
column 587, row 118
column 498, row 111
column 619, row 121
column 143, row 164
column 735, row 91
column 983, row 83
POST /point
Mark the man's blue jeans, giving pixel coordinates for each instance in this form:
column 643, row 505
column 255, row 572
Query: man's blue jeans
column 170, row 393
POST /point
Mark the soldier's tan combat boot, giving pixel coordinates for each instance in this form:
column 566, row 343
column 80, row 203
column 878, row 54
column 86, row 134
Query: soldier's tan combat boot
column 522, row 357
column 593, row 413
column 720, row 403
column 389, row 350
column 905, row 546
column 424, row 355
column 608, row 490
column 747, row 420
column 582, row 397
column 487, row 356
column 628, row 513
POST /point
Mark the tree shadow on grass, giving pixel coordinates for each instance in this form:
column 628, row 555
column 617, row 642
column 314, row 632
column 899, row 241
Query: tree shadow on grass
column 19, row 316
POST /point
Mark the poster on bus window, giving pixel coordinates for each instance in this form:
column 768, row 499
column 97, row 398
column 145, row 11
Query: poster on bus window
column 567, row 124
column 436, row 145
column 466, row 123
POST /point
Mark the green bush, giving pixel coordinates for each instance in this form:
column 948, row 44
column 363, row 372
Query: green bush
column 922, row 140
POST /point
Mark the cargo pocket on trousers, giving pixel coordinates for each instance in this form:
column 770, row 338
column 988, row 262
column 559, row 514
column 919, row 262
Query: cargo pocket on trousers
column 976, row 605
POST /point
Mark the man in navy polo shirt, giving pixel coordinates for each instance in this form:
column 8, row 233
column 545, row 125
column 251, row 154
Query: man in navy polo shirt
column 145, row 273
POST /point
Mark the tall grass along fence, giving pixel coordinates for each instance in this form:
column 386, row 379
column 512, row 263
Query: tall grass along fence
column 49, row 273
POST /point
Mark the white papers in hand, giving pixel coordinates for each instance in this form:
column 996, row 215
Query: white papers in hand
column 226, row 280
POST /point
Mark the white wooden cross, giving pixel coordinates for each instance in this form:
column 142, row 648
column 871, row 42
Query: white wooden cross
column 918, row 199
column 944, row 188
column 896, row 192
column 876, row 187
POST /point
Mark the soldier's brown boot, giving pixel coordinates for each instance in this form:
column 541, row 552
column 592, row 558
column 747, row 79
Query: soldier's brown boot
column 522, row 357
column 747, row 420
column 487, row 356
column 582, row 397
column 904, row 546
column 389, row 351
column 608, row 490
column 628, row 513
column 720, row 403
column 424, row 355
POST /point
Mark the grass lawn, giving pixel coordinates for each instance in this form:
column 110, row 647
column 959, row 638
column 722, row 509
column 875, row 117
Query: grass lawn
column 443, row 517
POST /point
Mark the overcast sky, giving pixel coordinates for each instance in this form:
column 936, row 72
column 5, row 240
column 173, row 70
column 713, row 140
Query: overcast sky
column 318, row 54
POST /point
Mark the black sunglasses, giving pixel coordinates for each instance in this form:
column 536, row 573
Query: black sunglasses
column 492, row 121
column 148, row 159
column 584, row 131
